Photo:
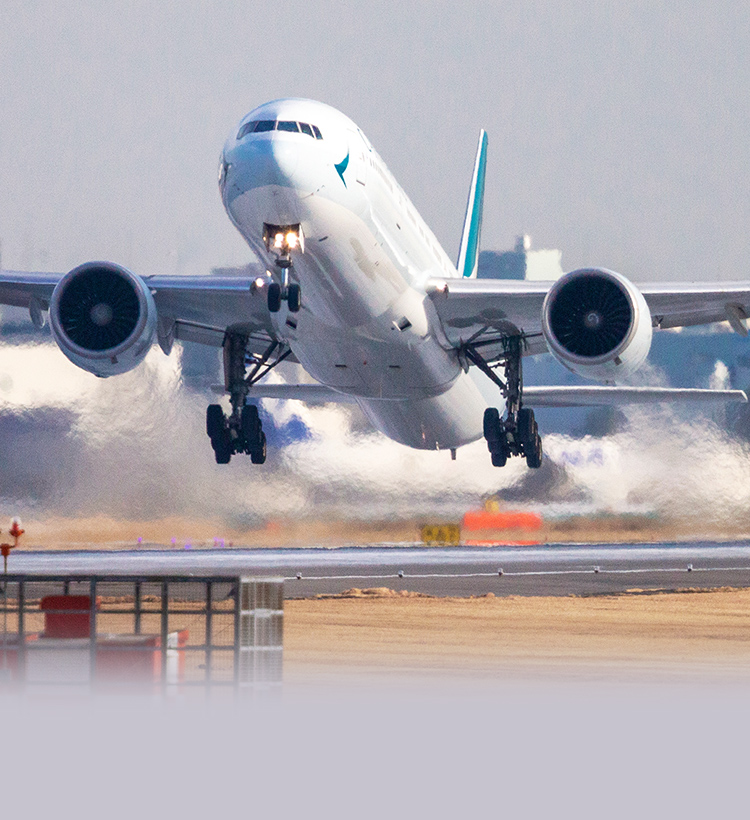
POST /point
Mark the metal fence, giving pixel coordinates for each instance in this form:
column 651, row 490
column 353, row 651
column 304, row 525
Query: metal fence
column 154, row 632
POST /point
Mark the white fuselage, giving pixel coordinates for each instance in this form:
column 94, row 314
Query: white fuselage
column 366, row 327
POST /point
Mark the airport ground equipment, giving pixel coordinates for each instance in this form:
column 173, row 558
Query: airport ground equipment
column 160, row 633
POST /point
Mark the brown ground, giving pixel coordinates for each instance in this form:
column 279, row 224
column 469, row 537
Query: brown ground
column 101, row 531
column 637, row 633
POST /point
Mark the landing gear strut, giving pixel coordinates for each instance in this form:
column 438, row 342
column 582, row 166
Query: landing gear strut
column 517, row 433
column 242, row 430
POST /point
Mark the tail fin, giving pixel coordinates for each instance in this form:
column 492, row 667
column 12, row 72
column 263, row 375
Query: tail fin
column 468, row 253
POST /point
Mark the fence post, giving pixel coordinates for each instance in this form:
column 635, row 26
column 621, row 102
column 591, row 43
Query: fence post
column 208, row 642
column 137, row 603
column 21, row 631
column 164, row 632
column 92, row 629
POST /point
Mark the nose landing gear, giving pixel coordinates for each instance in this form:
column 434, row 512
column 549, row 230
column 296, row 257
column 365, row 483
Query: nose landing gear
column 517, row 434
column 281, row 240
column 242, row 430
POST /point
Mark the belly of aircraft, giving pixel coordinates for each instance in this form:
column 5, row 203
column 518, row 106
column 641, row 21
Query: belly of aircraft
column 363, row 328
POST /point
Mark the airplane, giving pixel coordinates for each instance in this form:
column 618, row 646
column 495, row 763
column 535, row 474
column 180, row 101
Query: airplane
column 354, row 286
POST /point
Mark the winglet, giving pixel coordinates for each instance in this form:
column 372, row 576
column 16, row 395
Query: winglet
column 468, row 253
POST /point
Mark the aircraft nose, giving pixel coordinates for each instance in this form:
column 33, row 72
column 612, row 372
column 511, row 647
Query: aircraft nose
column 263, row 162
column 285, row 158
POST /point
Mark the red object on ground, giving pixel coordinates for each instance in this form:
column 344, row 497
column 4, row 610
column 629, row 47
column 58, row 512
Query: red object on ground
column 137, row 658
column 67, row 616
column 503, row 520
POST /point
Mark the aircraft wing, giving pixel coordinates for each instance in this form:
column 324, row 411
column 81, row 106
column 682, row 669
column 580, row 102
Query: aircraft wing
column 483, row 309
column 597, row 396
column 192, row 308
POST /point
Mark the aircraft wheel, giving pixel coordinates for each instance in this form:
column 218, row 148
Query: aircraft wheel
column 274, row 297
column 499, row 457
column 526, row 425
column 491, row 424
column 294, row 297
column 214, row 421
column 250, row 424
column 534, row 456
column 222, row 448
column 258, row 455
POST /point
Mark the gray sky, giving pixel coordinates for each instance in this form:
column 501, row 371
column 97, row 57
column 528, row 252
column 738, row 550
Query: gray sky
column 618, row 131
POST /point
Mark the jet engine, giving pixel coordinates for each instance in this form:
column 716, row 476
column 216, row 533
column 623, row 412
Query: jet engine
column 103, row 318
column 597, row 324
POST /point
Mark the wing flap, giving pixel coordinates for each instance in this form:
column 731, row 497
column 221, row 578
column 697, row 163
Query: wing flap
column 598, row 396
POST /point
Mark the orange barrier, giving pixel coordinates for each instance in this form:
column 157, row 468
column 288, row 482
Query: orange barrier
column 501, row 520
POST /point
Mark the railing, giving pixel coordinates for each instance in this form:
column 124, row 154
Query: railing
column 155, row 632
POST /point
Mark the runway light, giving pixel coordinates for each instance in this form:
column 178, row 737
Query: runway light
column 500, row 571
column 400, row 573
column 689, row 567
column 299, row 576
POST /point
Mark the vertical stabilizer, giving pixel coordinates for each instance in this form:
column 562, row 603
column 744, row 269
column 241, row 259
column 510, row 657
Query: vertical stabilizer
column 468, row 252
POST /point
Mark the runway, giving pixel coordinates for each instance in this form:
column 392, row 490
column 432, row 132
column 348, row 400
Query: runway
column 550, row 569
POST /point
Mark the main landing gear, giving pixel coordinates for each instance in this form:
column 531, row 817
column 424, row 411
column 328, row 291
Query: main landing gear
column 242, row 430
column 517, row 433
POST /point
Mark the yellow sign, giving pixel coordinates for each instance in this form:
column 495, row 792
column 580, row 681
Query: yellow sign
column 433, row 534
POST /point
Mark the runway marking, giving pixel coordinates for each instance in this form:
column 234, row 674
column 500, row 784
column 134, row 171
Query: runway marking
column 501, row 573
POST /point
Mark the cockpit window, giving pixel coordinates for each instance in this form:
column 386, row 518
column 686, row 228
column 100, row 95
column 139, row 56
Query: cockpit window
column 245, row 130
column 257, row 126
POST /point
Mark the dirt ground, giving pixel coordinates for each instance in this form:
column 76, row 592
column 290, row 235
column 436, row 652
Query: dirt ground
column 380, row 632
column 102, row 532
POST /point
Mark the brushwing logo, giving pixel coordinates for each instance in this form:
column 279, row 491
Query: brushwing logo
column 341, row 167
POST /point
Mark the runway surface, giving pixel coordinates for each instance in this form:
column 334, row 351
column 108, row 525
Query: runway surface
column 550, row 569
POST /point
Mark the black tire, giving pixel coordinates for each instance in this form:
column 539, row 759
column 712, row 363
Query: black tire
column 214, row 421
column 526, row 426
column 274, row 297
column 499, row 458
column 222, row 448
column 250, row 424
column 294, row 298
column 258, row 455
column 534, row 456
column 491, row 424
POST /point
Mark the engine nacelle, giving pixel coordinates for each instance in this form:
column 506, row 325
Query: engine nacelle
column 103, row 318
column 597, row 324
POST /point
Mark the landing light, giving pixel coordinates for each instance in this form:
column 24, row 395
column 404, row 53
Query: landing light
column 282, row 239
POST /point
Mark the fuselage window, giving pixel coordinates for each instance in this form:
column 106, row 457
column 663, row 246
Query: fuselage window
column 305, row 129
column 316, row 131
column 287, row 125
column 246, row 129
column 264, row 125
